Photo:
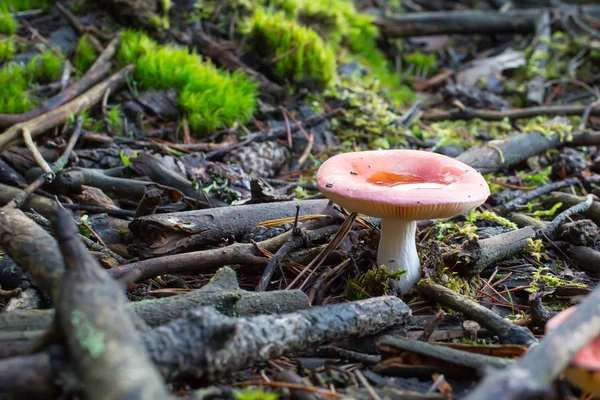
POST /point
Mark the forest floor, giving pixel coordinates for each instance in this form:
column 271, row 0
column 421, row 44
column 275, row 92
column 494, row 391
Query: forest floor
column 160, row 212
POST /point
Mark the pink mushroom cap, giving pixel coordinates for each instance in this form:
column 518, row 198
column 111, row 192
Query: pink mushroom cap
column 402, row 184
column 589, row 356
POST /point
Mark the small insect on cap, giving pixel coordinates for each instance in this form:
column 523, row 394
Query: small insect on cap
column 402, row 184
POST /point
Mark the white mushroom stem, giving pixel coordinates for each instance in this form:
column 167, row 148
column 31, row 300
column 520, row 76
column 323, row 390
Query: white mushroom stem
column 398, row 251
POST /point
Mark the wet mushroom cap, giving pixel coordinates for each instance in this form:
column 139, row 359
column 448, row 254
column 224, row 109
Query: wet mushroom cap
column 402, row 184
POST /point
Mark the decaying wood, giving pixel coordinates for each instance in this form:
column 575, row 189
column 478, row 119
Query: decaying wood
column 506, row 153
column 86, row 100
column 542, row 364
column 32, row 248
column 170, row 233
column 207, row 344
column 148, row 204
column 28, row 377
column 73, row 179
column 147, row 165
column 504, row 329
column 469, row 22
column 584, row 258
column 101, row 338
column 43, row 205
column 473, row 256
column 582, row 139
column 222, row 292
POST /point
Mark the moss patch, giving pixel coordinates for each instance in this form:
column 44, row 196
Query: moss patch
column 210, row 98
column 85, row 54
column 297, row 53
column 8, row 48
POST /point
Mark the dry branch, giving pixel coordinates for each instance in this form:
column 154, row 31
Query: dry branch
column 175, row 232
column 207, row 260
column 101, row 337
column 476, row 255
column 504, row 329
column 222, row 292
column 38, row 125
column 542, row 364
column 469, row 22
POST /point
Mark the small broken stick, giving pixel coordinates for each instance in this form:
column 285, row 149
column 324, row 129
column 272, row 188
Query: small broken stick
column 222, row 292
column 474, row 256
column 542, row 364
column 102, row 340
column 504, row 329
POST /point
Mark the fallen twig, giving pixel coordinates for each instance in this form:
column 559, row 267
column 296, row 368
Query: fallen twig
column 239, row 253
column 91, row 307
column 570, row 200
column 542, row 190
column 563, row 216
column 537, row 62
column 504, row 329
column 474, row 256
column 469, row 22
column 175, row 232
column 98, row 71
column 542, row 364
column 222, row 293
column 61, row 114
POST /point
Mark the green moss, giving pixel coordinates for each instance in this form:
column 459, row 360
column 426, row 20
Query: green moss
column 87, row 335
column 14, row 98
column 46, row 67
column 420, row 60
column 8, row 48
column 463, row 134
column 541, row 278
column 550, row 127
column 85, row 54
column 253, row 393
column 368, row 116
column 134, row 44
column 540, row 178
column 372, row 283
column 115, row 120
column 159, row 22
column 297, row 52
column 165, row 5
column 210, row 98
column 337, row 20
column 8, row 24
column 22, row 5
column 492, row 216
column 535, row 248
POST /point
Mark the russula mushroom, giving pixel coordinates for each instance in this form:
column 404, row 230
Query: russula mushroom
column 584, row 370
column 401, row 187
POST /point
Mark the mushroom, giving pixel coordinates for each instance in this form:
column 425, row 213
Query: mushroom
column 584, row 370
column 401, row 187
